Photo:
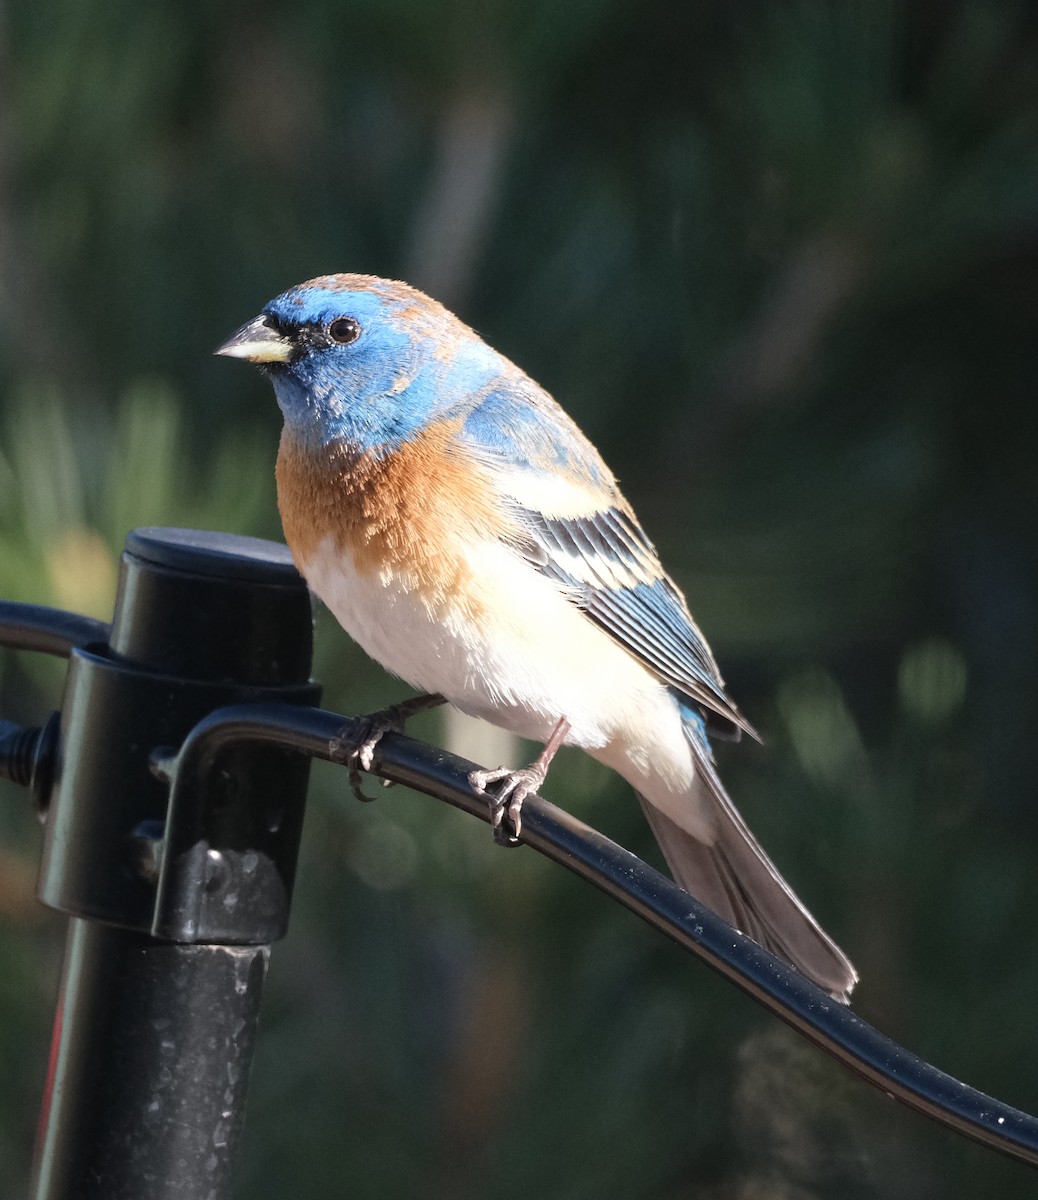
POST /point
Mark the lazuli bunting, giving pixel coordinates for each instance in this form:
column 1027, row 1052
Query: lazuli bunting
column 470, row 538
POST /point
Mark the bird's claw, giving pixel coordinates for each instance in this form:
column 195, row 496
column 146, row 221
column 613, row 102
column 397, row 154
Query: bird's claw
column 516, row 785
column 354, row 744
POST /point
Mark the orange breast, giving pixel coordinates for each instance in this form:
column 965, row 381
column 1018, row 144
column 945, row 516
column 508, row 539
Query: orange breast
column 410, row 512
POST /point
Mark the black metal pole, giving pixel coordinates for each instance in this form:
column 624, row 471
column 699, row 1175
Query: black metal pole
column 152, row 1048
column 154, row 1035
column 559, row 835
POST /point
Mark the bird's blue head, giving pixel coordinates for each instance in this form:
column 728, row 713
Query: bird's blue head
column 364, row 360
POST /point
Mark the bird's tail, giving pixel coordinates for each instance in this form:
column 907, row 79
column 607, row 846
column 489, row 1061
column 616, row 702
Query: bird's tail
column 735, row 879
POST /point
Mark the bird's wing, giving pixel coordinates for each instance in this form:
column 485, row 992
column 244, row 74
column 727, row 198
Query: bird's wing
column 605, row 564
column 571, row 522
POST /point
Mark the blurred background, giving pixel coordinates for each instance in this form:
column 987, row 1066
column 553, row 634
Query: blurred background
column 780, row 261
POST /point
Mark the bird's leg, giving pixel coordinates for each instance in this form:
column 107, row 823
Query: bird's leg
column 516, row 785
column 354, row 744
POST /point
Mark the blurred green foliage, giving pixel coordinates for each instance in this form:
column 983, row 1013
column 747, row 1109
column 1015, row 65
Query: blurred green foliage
column 780, row 260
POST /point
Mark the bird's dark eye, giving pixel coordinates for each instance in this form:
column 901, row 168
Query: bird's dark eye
column 344, row 330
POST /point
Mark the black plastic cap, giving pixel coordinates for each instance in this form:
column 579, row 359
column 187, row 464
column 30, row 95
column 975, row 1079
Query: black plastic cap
column 212, row 606
column 220, row 555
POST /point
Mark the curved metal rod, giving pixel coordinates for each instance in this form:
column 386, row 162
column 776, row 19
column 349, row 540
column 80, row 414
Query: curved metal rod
column 622, row 875
column 47, row 630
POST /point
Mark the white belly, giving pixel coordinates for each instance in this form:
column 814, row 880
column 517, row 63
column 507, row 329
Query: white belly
column 529, row 658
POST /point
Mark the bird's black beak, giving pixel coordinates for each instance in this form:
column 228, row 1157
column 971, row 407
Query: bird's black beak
column 259, row 342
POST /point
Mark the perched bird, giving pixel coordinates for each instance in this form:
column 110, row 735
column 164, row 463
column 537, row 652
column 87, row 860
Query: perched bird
column 470, row 538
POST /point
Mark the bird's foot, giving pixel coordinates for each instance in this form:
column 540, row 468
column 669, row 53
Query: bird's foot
column 354, row 744
column 516, row 785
